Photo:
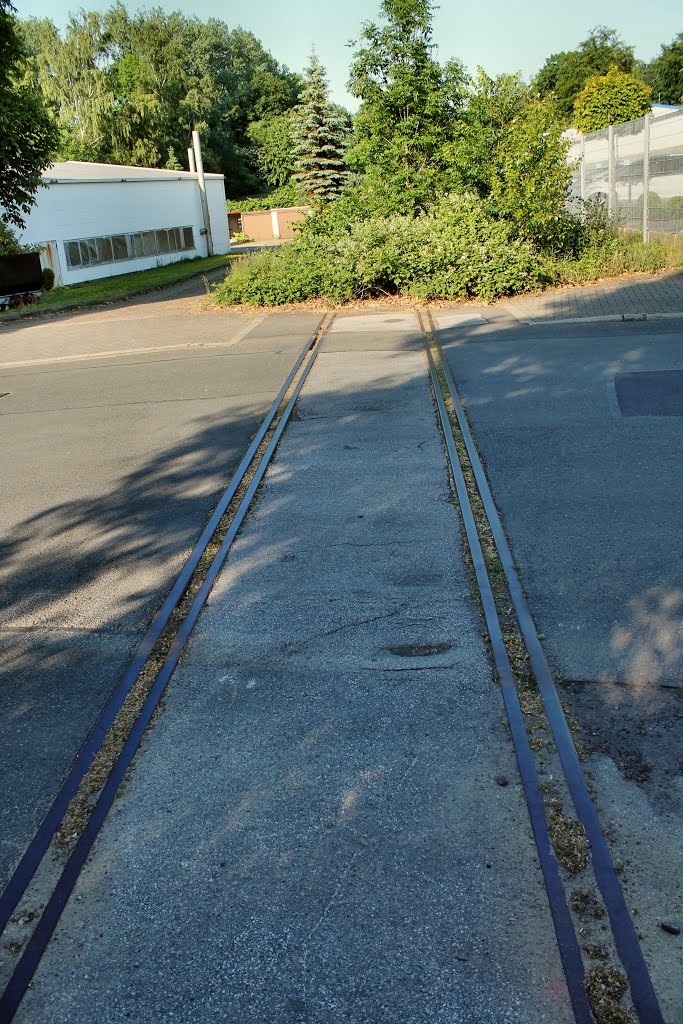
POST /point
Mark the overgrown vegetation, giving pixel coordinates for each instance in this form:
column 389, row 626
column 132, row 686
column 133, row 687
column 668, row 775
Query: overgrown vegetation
column 450, row 251
column 277, row 198
column 613, row 254
column 459, row 188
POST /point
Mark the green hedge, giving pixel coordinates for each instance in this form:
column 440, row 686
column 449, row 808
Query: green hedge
column 453, row 252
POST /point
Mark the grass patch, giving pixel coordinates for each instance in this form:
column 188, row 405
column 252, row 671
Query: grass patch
column 108, row 289
column 618, row 254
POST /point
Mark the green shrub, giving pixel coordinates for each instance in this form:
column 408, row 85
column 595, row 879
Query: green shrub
column 48, row 279
column 453, row 252
column 279, row 198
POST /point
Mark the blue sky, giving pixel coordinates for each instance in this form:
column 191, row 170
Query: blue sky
column 498, row 34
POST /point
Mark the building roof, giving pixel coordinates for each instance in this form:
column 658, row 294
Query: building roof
column 68, row 171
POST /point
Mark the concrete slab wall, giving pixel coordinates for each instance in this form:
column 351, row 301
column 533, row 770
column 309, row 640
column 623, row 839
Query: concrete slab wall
column 258, row 224
column 287, row 217
column 265, row 225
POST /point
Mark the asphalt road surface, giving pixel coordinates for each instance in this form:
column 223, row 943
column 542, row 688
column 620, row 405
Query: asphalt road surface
column 581, row 431
column 580, row 428
column 119, row 429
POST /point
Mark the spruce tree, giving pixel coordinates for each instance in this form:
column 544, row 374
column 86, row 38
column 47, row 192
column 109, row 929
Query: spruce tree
column 320, row 136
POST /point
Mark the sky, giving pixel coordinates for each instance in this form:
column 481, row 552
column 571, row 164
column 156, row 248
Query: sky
column 500, row 35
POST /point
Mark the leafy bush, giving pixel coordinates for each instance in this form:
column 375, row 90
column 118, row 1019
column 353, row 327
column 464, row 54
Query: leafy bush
column 279, row 198
column 48, row 279
column 240, row 236
column 452, row 252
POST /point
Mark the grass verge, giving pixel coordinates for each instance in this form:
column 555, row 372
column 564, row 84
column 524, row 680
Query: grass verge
column 617, row 255
column 109, row 289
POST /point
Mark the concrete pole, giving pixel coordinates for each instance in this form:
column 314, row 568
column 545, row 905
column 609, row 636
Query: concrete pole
column 202, row 191
column 646, row 179
column 583, row 168
column 190, row 160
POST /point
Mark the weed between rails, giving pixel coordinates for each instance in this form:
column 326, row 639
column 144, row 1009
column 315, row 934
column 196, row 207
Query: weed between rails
column 605, row 987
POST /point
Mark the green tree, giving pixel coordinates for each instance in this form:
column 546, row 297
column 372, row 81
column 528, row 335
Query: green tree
column 28, row 135
column 665, row 72
column 129, row 88
column 508, row 150
column 272, row 138
column 531, row 177
column 320, row 137
column 410, row 106
column 481, row 133
column 564, row 74
column 70, row 74
column 173, row 163
column 611, row 99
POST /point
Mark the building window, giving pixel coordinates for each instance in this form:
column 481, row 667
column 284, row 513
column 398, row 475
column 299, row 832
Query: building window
column 87, row 252
column 162, row 241
column 119, row 244
column 73, row 254
column 149, row 246
column 104, row 251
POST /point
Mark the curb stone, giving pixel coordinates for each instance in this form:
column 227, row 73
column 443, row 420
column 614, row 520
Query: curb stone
column 613, row 318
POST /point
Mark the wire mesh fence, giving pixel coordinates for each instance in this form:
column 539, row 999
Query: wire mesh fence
column 635, row 170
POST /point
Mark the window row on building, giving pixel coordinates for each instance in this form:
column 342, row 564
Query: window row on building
column 86, row 252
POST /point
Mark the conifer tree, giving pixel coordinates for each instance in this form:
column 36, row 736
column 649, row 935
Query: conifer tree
column 320, row 136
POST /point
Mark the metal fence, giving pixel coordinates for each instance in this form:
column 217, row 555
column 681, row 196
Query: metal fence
column 636, row 170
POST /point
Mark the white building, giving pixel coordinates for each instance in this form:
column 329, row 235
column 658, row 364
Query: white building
column 97, row 220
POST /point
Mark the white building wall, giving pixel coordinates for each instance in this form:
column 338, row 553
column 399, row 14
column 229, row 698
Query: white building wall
column 82, row 209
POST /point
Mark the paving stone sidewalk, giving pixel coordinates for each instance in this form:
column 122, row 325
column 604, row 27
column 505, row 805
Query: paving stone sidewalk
column 635, row 295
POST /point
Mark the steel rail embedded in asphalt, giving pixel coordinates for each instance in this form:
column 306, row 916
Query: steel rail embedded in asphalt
column 625, row 937
column 570, row 953
column 36, row 850
column 37, row 944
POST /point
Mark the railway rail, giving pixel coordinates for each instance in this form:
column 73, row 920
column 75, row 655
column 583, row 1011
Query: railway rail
column 184, row 604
